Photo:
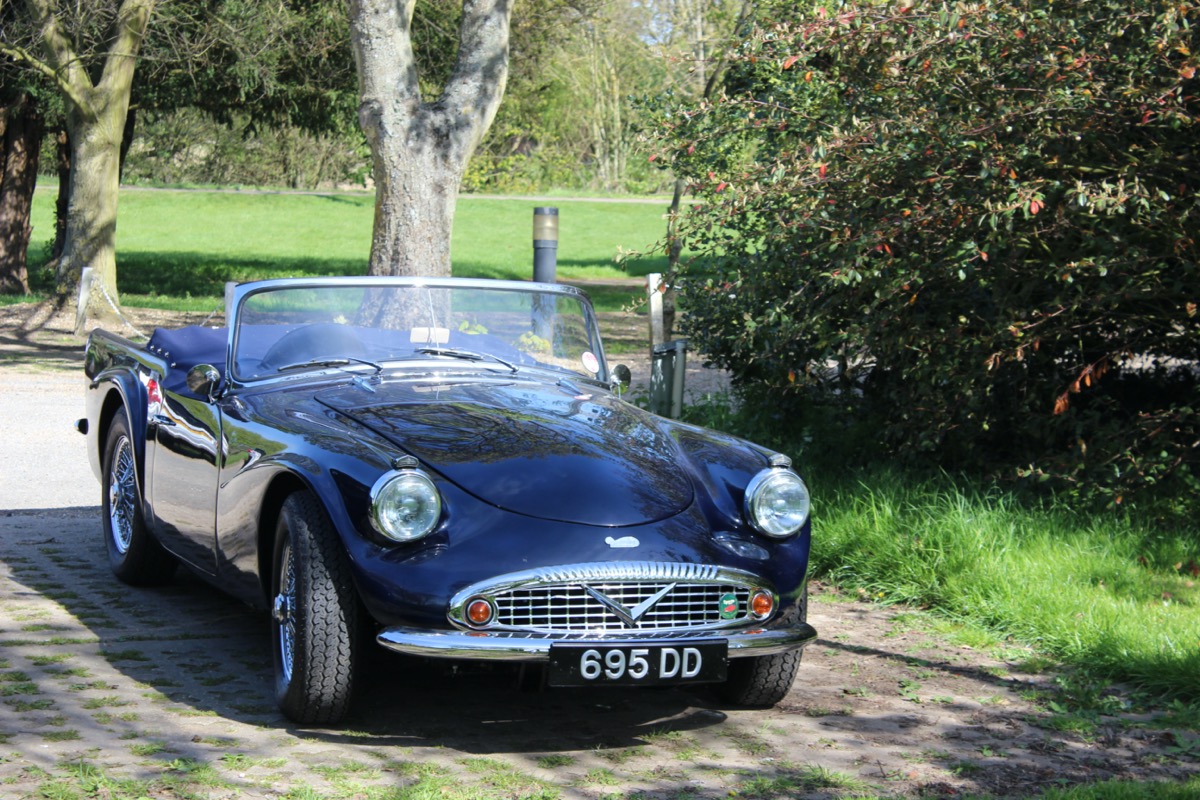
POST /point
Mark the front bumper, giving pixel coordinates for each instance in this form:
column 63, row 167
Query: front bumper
column 516, row 646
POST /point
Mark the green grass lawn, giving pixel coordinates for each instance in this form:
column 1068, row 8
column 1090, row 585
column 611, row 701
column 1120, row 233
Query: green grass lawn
column 176, row 249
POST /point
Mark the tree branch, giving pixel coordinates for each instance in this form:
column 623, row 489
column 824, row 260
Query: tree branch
column 381, row 35
column 23, row 55
column 67, row 71
column 132, row 19
column 476, row 86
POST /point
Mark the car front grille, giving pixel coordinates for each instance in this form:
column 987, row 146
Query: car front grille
column 617, row 598
column 573, row 608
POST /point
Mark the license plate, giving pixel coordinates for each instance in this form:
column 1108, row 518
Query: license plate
column 637, row 664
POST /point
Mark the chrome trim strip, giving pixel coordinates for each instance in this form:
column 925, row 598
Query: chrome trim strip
column 508, row 646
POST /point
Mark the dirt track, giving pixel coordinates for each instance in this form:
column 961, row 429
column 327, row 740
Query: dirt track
column 173, row 685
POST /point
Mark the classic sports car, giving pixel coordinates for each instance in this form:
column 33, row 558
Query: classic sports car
column 445, row 466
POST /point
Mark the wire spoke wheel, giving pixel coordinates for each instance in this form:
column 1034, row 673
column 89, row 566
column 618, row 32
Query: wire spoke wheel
column 122, row 495
column 134, row 555
column 284, row 611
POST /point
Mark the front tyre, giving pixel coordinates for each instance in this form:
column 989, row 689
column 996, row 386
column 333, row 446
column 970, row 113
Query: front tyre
column 314, row 615
column 761, row 681
column 134, row 555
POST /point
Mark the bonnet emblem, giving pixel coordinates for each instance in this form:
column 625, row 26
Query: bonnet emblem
column 624, row 541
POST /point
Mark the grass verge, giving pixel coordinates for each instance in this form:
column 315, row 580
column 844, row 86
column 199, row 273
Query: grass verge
column 177, row 249
column 1103, row 594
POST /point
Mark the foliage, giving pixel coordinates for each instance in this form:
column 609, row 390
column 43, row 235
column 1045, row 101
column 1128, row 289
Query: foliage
column 978, row 217
column 285, row 64
column 187, row 146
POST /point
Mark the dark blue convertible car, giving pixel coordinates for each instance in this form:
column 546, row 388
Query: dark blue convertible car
column 445, row 467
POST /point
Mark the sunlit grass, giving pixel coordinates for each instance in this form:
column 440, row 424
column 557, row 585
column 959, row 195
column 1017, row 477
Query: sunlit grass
column 1102, row 593
column 177, row 249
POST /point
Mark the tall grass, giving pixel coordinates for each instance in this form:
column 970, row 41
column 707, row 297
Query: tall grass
column 1188, row 789
column 1099, row 592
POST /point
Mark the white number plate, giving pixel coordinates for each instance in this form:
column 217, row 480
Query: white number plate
column 629, row 663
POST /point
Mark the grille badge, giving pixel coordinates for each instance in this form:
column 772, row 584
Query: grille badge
column 630, row 616
column 624, row 541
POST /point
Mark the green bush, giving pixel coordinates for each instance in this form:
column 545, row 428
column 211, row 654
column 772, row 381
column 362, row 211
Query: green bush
column 188, row 146
column 974, row 221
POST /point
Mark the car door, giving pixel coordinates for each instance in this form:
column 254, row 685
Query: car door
column 186, row 431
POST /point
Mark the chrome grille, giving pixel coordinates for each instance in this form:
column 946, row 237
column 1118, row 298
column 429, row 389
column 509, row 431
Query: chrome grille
column 615, row 598
column 572, row 608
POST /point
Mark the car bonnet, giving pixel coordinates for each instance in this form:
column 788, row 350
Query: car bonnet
column 538, row 448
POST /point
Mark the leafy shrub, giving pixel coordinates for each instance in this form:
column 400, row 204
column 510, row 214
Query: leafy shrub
column 977, row 218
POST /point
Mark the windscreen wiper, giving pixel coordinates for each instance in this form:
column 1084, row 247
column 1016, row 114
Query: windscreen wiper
column 468, row 355
column 342, row 361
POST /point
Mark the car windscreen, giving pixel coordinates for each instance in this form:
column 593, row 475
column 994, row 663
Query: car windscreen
column 282, row 329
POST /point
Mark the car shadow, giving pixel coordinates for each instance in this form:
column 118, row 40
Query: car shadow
column 490, row 709
column 192, row 651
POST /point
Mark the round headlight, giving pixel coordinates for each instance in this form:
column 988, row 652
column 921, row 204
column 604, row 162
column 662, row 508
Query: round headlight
column 777, row 502
column 405, row 505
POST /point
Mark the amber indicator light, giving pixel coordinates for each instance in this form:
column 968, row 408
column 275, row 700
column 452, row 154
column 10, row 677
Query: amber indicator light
column 479, row 612
column 761, row 604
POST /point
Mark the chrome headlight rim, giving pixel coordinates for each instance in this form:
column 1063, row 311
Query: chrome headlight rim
column 759, row 490
column 396, row 486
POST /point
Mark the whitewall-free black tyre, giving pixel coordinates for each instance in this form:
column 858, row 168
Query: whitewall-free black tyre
column 313, row 615
column 762, row 681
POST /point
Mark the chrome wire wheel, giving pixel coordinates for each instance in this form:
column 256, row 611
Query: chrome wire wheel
column 285, row 612
column 122, row 495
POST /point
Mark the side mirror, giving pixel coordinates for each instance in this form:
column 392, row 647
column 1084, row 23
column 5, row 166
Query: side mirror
column 621, row 378
column 203, row 380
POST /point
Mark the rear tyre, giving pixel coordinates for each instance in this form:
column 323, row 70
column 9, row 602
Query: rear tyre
column 314, row 615
column 760, row 682
column 134, row 555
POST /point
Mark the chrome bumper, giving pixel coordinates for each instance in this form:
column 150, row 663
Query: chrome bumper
column 510, row 646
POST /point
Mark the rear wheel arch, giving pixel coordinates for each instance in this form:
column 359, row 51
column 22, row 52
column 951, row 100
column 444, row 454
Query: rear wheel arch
column 113, row 404
column 118, row 402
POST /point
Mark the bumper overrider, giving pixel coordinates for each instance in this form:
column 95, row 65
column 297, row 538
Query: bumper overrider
column 518, row 617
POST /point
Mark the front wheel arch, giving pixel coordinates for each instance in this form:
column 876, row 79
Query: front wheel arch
column 281, row 487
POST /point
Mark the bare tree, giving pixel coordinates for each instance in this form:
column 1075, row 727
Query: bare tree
column 420, row 148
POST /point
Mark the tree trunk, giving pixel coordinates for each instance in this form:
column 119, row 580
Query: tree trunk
column 62, row 141
column 420, row 150
column 92, row 214
column 416, row 194
column 97, row 105
column 21, row 128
